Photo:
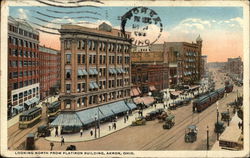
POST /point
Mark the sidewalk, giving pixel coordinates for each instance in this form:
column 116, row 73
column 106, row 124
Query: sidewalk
column 104, row 128
column 15, row 119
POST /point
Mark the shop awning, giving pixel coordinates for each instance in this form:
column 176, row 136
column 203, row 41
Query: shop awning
column 176, row 93
column 67, row 119
column 138, row 100
column 148, row 100
column 135, row 92
column 88, row 116
column 131, row 106
column 118, row 107
column 106, row 111
column 18, row 108
column 152, row 88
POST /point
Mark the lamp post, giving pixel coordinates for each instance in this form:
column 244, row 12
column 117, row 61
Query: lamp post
column 228, row 120
column 217, row 125
column 99, row 128
column 95, row 124
column 207, row 138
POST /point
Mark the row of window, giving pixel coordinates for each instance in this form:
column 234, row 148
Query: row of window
column 21, row 84
column 102, row 59
column 23, row 53
column 22, row 43
column 25, row 93
column 99, row 98
column 81, row 87
column 22, row 74
column 15, row 63
column 23, row 32
column 93, row 45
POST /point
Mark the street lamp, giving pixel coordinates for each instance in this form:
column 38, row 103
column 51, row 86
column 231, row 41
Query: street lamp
column 207, row 138
column 95, row 124
column 217, row 125
column 228, row 120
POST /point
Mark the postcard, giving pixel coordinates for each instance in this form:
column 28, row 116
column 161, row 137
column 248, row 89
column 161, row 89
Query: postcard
column 98, row 78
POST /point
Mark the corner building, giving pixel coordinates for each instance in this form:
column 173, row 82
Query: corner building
column 95, row 66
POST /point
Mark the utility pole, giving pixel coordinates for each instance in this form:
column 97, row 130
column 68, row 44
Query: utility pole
column 207, row 138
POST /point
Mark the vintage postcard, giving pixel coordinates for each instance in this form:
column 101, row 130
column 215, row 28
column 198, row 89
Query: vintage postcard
column 98, row 78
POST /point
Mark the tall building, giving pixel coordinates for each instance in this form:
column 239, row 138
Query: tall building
column 204, row 67
column 23, row 66
column 49, row 71
column 184, row 61
column 235, row 67
column 95, row 66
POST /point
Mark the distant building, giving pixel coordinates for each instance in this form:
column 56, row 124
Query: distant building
column 23, row 66
column 49, row 69
column 235, row 67
column 204, row 67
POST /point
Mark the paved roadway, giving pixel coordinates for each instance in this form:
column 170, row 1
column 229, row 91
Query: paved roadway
column 153, row 137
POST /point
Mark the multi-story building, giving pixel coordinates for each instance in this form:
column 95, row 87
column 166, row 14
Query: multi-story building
column 23, row 68
column 235, row 67
column 184, row 61
column 204, row 68
column 49, row 71
column 95, row 66
column 149, row 70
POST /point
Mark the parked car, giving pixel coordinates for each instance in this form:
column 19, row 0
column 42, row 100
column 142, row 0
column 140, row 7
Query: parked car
column 151, row 116
column 70, row 129
column 43, row 131
column 219, row 127
column 225, row 116
column 191, row 134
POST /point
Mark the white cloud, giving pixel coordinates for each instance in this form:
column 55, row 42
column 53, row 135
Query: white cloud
column 238, row 20
column 22, row 13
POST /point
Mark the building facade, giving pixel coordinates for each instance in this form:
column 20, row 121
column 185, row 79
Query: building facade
column 49, row 71
column 204, row 67
column 95, row 66
column 23, row 66
column 235, row 67
column 184, row 61
column 149, row 70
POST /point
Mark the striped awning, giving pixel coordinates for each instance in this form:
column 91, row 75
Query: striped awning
column 67, row 119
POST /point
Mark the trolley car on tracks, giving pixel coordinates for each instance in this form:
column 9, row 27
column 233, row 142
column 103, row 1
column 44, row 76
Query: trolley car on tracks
column 53, row 110
column 30, row 118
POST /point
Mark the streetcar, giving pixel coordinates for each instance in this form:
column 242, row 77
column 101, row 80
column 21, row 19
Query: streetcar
column 30, row 118
column 53, row 110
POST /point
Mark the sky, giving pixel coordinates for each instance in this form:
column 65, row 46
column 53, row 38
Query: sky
column 219, row 27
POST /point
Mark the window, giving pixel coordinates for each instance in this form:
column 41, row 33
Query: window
column 68, row 88
column 10, row 75
column 20, row 84
column 90, row 59
column 83, row 87
column 100, row 59
column 109, row 59
column 68, row 104
column 68, row 58
column 15, row 85
column 89, row 44
column 94, row 56
column 67, row 44
column 15, row 74
column 14, row 97
column 20, row 74
column 95, row 45
column 79, row 45
column 113, row 59
column 104, row 46
column 68, row 73
column 83, row 59
column 79, row 58
column 14, row 63
column 104, row 59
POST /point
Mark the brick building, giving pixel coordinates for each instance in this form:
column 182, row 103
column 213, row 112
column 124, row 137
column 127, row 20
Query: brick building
column 49, row 71
column 95, row 67
column 149, row 70
column 235, row 67
column 23, row 68
column 204, row 67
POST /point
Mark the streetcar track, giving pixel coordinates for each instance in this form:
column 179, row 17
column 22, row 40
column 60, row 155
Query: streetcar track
column 155, row 141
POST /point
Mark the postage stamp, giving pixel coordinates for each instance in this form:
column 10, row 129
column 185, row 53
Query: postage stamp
column 103, row 78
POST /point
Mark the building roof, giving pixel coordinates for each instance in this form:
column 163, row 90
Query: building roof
column 23, row 24
column 48, row 50
column 199, row 39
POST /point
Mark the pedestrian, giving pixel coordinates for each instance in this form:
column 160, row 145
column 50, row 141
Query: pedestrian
column 81, row 131
column 155, row 105
column 239, row 125
column 109, row 127
column 62, row 141
column 56, row 133
column 51, row 145
column 124, row 119
column 127, row 115
column 114, row 125
column 91, row 132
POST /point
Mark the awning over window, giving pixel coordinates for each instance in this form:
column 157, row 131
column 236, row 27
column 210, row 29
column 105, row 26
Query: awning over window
column 152, row 88
column 95, row 84
column 106, row 111
column 111, row 71
column 138, row 100
column 79, row 72
column 67, row 119
column 176, row 93
column 123, row 71
column 119, row 70
column 135, row 92
column 148, row 100
column 32, row 101
column 93, row 71
column 88, row 116
column 91, row 85
column 131, row 106
column 118, row 107
column 18, row 108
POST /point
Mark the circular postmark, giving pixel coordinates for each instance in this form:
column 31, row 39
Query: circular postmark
column 144, row 24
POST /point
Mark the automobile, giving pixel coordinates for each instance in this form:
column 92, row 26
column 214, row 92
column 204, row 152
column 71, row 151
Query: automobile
column 219, row 127
column 169, row 122
column 151, row 116
column 178, row 103
column 162, row 116
column 190, row 134
column 159, row 111
column 71, row 147
column 43, row 131
column 70, row 129
column 139, row 121
column 225, row 116
column 187, row 101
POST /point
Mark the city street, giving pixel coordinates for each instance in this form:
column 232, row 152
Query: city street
column 153, row 137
